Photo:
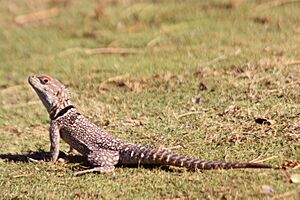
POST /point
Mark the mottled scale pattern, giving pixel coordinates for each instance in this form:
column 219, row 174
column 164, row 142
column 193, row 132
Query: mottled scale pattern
column 103, row 150
column 77, row 129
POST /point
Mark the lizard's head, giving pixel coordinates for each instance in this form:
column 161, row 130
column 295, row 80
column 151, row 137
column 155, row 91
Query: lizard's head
column 53, row 94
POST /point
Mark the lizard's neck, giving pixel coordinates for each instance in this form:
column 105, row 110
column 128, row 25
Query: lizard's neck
column 60, row 110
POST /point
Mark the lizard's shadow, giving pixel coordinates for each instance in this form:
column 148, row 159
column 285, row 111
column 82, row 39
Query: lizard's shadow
column 41, row 155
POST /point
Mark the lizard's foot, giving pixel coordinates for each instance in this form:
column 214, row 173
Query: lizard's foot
column 105, row 169
column 71, row 151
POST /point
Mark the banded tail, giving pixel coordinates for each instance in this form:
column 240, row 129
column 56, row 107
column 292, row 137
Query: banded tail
column 138, row 154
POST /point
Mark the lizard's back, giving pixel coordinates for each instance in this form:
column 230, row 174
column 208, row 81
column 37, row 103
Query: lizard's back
column 85, row 136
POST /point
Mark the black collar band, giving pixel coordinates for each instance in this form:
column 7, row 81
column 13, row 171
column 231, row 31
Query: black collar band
column 62, row 112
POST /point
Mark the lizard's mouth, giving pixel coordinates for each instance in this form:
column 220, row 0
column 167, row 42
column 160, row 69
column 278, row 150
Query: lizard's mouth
column 35, row 83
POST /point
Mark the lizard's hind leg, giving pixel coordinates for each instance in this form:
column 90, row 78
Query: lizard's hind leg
column 103, row 161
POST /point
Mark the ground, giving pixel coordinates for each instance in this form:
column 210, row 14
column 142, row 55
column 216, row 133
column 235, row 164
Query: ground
column 212, row 79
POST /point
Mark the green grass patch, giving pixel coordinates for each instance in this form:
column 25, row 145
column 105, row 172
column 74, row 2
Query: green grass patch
column 234, row 56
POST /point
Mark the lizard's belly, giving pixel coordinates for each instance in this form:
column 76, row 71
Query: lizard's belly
column 74, row 142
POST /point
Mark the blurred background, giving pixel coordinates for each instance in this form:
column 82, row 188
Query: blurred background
column 55, row 36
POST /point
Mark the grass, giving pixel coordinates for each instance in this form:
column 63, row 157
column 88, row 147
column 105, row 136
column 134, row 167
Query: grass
column 231, row 54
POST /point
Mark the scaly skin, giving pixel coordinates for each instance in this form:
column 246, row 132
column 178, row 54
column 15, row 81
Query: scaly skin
column 103, row 150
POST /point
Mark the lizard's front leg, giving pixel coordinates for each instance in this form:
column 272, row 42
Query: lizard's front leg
column 54, row 140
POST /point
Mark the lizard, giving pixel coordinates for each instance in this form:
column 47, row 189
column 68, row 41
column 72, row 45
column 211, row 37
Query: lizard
column 103, row 150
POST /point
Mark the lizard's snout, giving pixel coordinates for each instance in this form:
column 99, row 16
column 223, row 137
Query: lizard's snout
column 31, row 79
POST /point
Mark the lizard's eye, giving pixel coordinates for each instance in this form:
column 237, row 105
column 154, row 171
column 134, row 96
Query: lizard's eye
column 44, row 80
